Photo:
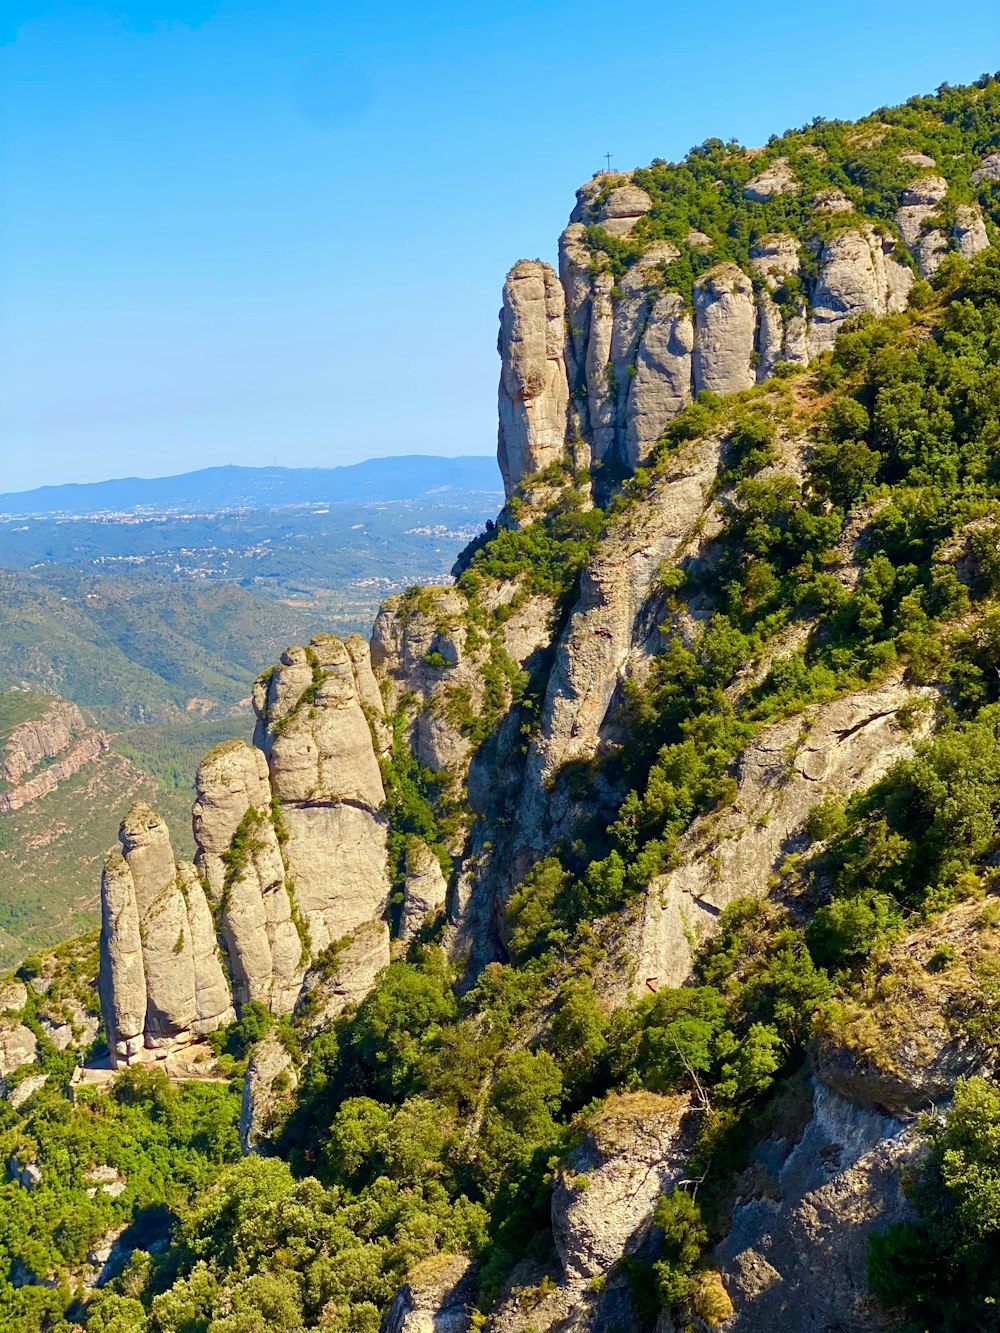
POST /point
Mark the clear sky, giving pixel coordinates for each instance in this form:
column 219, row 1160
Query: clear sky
column 259, row 230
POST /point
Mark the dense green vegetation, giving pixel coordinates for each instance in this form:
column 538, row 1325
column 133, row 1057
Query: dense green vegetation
column 863, row 160
column 433, row 1117
column 165, row 1143
column 941, row 1269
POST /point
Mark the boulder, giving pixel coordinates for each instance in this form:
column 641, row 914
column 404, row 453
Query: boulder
column 605, row 1190
column 425, row 890
column 268, row 1085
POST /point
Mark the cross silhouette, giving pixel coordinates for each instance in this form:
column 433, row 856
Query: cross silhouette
column 608, row 159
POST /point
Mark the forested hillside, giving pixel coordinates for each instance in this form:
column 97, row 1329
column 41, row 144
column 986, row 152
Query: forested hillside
column 615, row 940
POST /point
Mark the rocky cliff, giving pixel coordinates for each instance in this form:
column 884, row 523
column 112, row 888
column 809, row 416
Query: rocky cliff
column 290, row 859
column 43, row 752
column 625, row 897
column 605, row 354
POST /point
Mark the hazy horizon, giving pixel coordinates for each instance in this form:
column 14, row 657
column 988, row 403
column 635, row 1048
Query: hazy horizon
column 262, row 233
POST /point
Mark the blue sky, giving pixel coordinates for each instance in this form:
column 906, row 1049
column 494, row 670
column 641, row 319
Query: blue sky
column 247, row 232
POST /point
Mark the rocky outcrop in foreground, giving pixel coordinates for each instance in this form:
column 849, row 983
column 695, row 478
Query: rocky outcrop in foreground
column 291, row 859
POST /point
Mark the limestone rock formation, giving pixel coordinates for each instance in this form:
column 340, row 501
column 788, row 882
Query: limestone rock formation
column 343, row 976
column 918, row 206
column 904, row 1049
column 270, row 1081
column 724, row 321
column 425, row 890
column 32, row 742
column 858, row 272
column 18, row 1047
column 782, row 330
column 832, row 201
column 970, row 231
column 161, row 980
column 594, row 648
column 602, row 1202
column 438, row 1296
column 659, row 379
column 988, row 170
column 324, row 772
column 240, row 858
column 123, row 975
column 41, row 753
column 614, row 203
column 791, row 765
column 213, row 1002
column 795, row 1254
column 534, row 393
column 167, row 956
column 777, row 178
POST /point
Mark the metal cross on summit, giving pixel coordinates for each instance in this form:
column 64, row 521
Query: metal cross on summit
column 608, row 160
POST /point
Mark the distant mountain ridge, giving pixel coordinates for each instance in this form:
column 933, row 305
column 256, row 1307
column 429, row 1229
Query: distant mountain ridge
column 233, row 487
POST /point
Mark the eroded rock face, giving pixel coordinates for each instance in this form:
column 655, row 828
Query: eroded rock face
column 325, row 774
column 970, row 231
column 270, row 1081
column 39, row 739
column 782, row 330
column 345, row 978
column 122, row 976
column 902, row 1049
column 725, row 323
column 661, row 383
column 17, row 1047
column 795, row 1256
column 60, row 740
column 827, row 750
column 858, row 272
column 988, row 169
column 425, row 890
column 603, row 1199
column 534, row 392
column 778, row 178
column 161, row 980
column 167, row 956
column 616, row 204
column 595, row 646
column 213, row 1002
column 234, row 802
column 438, row 1296
column 918, row 206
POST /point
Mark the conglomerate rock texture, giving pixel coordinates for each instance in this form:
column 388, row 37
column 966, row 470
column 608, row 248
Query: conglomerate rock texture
column 601, row 363
column 291, row 858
